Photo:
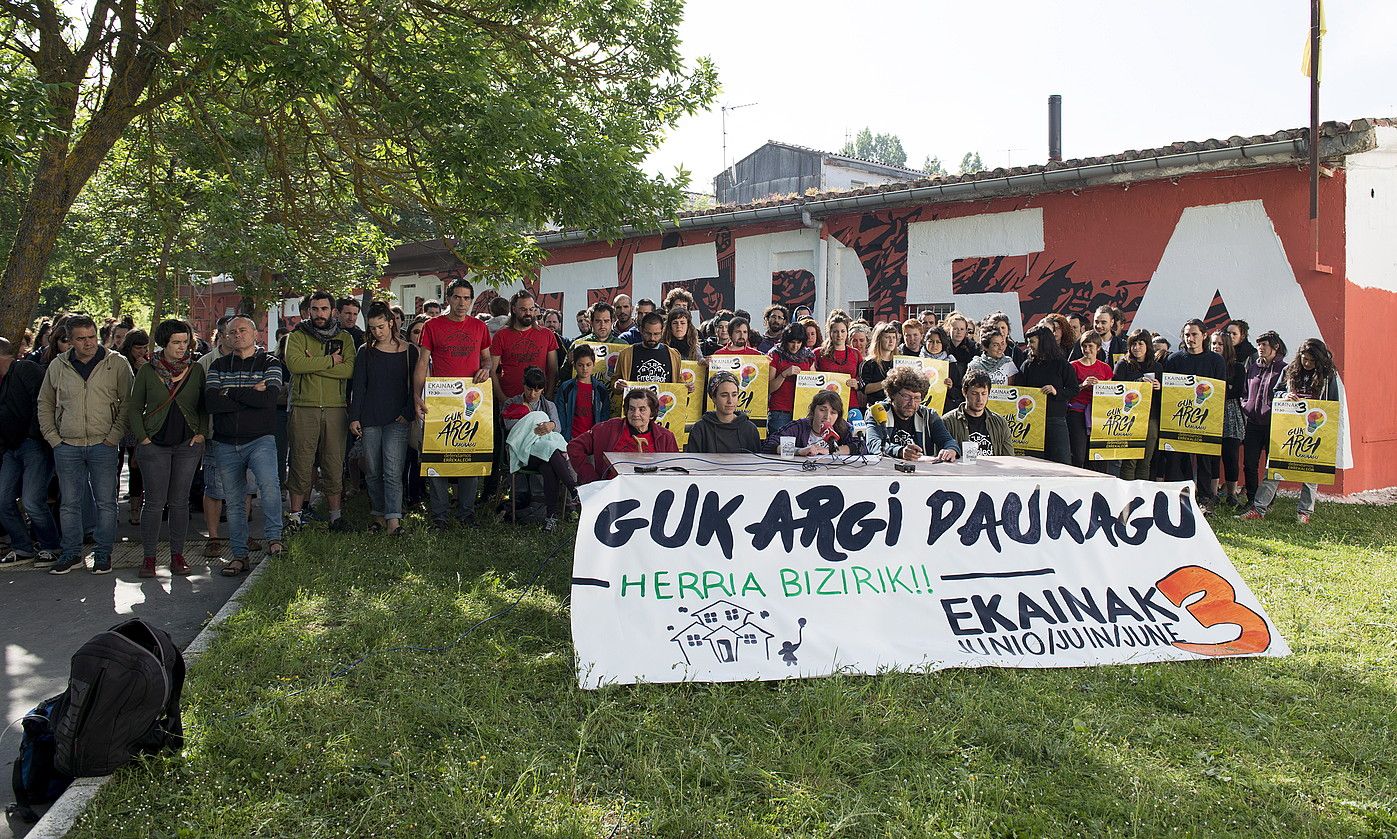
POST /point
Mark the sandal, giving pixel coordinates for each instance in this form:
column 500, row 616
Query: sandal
column 275, row 548
column 213, row 548
column 234, row 568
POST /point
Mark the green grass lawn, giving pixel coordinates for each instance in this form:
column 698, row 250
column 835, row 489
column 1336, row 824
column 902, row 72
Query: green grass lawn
column 492, row 737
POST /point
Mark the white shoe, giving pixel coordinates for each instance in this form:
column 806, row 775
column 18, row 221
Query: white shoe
column 15, row 559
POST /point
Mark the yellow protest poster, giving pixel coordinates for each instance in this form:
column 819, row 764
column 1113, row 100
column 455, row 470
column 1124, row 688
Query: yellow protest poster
column 809, row 384
column 1304, row 440
column 458, row 435
column 606, row 358
column 1190, row 416
column 1026, row 410
column 675, row 411
column 1120, row 420
column 752, row 372
column 696, row 373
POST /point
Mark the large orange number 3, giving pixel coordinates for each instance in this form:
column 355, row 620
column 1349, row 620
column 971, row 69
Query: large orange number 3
column 1216, row 606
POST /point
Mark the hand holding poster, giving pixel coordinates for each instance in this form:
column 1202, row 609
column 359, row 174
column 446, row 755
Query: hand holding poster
column 1120, row 420
column 937, row 372
column 1304, row 440
column 1026, row 410
column 1190, row 416
column 695, row 373
column 458, row 435
column 752, row 372
column 809, row 384
column 709, row 579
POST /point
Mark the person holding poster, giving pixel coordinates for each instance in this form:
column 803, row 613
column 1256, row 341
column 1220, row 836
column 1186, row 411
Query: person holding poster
column 1090, row 369
column 1310, row 376
column 934, row 347
column 637, row 431
column 723, row 430
column 904, row 428
column 1264, row 372
column 1047, row 371
column 973, row 422
column 454, row 345
column 1193, row 358
column 582, row 400
column 1234, row 423
column 1140, row 365
column 788, row 360
column 836, row 356
column 822, row 431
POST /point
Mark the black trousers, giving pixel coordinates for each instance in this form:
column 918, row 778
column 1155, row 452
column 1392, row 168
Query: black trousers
column 1256, row 442
column 1182, row 466
column 557, row 473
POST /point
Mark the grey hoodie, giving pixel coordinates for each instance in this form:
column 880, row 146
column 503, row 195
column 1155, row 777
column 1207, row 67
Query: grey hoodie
column 710, row 436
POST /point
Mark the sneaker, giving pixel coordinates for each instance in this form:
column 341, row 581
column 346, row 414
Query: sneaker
column 340, row 525
column 66, row 564
column 550, row 524
column 1251, row 515
column 15, row 559
column 178, row 566
column 1302, row 518
column 103, row 565
column 45, row 559
column 148, row 567
column 292, row 524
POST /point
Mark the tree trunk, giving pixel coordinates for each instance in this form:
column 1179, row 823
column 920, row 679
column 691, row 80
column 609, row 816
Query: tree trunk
column 37, row 233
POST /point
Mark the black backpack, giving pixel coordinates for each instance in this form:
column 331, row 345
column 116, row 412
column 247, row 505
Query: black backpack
column 122, row 700
column 35, row 779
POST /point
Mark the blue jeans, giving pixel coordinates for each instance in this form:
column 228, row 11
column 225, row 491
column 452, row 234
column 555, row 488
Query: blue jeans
column 89, row 471
column 777, row 420
column 385, row 452
column 234, row 461
column 439, row 497
column 26, row 472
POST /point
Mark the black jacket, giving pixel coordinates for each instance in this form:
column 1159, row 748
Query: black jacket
column 19, row 403
column 240, row 413
column 1058, row 372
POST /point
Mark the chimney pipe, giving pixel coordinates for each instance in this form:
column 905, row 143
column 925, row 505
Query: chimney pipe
column 1055, row 128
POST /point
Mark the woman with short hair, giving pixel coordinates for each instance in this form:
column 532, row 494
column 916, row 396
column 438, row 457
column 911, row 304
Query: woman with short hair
column 1048, row 371
column 994, row 360
column 1140, row 365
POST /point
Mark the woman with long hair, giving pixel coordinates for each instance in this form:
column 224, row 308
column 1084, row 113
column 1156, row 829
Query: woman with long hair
column 836, row 356
column 859, row 338
column 1140, row 365
column 1234, row 422
column 1066, row 336
column 878, row 361
column 1047, row 370
column 57, row 343
column 381, row 410
column 681, row 335
column 813, row 338
column 1090, row 369
column 1310, row 376
column 1264, row 371
column 935, row 343
column 821, row 431
column 789, row 358
column 167, row 418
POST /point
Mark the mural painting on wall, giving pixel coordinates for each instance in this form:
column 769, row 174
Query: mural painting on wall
column 793, row 288
column 1044, row 286
column 880, row 240
column 712, row 294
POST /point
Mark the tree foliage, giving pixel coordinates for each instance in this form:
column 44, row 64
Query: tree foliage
column 932, row 166
column 880, row 148
column 971, row 163
column 298, row 137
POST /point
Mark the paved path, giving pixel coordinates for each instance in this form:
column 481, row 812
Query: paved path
column 45, row 618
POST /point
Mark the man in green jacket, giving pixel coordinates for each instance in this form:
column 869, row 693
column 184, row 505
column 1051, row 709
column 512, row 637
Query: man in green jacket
column 82, row 416
column 974, row 422
column 320, row 356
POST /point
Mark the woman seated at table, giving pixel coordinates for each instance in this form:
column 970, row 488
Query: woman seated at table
column 636, row 432
column 902, row 427
column 822, row 431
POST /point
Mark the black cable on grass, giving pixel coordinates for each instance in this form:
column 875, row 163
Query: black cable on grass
column 344, row 669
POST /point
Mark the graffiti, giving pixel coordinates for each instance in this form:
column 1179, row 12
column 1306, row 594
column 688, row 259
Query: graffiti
column 880, row 240
column 793, row 288
column 1045, row 286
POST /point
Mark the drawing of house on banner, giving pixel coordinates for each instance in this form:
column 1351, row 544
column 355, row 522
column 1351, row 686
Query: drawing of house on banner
column 726, row 629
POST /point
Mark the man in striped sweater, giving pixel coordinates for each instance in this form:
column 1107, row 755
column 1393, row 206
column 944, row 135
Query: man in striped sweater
column 241, row 393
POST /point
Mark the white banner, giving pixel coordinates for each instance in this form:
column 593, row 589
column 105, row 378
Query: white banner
column 715, row 579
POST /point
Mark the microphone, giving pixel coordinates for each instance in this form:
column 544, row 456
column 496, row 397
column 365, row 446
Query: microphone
column 829, row 436
column 879, row 413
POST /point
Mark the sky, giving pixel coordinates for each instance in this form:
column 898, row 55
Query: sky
column 952, row 77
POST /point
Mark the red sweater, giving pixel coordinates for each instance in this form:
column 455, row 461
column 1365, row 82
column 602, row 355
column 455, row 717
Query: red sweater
column 587, row 451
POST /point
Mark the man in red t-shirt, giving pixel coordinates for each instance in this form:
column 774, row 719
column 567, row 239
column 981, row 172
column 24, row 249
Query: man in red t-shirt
column 455, row 345
column 520, row 345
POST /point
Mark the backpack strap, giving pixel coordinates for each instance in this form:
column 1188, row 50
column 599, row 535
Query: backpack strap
column 174, row 724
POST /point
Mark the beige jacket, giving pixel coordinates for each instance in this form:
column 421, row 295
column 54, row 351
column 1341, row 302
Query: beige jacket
column 85, row 413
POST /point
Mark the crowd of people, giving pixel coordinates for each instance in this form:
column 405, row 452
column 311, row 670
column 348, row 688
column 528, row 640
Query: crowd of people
column 227, row 424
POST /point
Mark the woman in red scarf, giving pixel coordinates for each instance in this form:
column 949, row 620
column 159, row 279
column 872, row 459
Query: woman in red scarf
column 168, row 421
column 636, row 432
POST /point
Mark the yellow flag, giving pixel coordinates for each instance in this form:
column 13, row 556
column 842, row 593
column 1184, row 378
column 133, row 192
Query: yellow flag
column 676, row 408
column 1304, row 440
column 1305, row 60
column 458, row 435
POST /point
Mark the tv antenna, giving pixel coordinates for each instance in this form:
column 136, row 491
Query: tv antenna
column 724, row 111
